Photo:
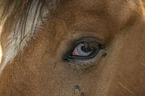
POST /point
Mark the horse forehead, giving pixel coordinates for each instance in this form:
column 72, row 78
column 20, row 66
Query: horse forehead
column 85, row 4
column 94, row 4
column 90, row 3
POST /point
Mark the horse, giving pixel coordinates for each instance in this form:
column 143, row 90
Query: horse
column 72, row 48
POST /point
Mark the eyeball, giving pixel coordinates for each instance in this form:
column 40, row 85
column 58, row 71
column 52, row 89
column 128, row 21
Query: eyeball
column 83, row 50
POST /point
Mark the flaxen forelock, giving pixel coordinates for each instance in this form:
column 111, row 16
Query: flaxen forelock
column 27, row 16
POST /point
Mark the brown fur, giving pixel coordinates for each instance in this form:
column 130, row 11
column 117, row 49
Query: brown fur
column 119, row 24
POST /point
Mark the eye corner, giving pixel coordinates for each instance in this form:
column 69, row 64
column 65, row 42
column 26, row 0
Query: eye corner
column 65, row 58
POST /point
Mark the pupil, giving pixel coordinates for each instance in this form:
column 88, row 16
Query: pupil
column 84, row 49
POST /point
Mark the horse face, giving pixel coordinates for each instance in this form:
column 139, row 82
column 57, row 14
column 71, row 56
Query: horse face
column 83, row 47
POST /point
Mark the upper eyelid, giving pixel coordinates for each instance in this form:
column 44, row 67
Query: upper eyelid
column 72, row 43
column 81, row 41
column 87, row 39
column 79, row 34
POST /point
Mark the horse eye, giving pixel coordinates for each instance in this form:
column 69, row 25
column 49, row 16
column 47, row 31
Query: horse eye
column 83, row 50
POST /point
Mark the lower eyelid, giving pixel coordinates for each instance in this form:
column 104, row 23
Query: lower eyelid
column 89, row 62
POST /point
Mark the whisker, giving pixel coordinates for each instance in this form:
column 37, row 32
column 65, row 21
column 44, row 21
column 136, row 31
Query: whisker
column 126, row 89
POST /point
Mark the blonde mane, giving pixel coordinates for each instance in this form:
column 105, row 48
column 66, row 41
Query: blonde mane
column 24, row 29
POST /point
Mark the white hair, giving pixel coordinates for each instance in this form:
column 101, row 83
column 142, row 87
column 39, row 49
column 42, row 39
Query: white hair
column 23, row 31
